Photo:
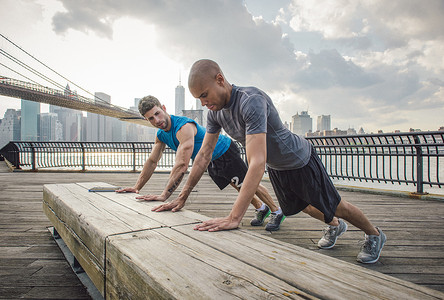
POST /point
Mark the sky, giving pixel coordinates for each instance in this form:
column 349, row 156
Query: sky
column 373, row 64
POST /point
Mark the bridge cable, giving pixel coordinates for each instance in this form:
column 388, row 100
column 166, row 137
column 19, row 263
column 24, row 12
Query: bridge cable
column 27, row 67
column 95, row 97
column 20, row 74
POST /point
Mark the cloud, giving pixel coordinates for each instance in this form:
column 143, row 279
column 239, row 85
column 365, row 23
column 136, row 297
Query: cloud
column 328, row 68
column 378, row 57
column 186, row 31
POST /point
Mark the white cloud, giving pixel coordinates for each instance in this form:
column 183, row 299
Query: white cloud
column 383, row 59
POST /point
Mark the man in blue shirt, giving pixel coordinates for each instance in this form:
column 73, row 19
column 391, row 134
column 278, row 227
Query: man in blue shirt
column 185, row 136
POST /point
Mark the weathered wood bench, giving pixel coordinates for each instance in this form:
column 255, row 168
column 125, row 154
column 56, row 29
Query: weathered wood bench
column 130, row 252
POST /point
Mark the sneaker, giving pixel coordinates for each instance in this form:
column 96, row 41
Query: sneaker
column 261, row 215
column 331, row 234
column 275, row 222
column 372, row 247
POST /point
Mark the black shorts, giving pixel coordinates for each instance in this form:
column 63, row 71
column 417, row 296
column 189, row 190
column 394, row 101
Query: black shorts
column 229, row 168
column 296, row 189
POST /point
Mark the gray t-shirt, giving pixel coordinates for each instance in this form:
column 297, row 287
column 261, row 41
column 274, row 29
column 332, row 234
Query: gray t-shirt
column 251, row 111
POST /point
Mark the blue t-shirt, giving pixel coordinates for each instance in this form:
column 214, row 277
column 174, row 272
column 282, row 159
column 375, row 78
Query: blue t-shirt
column 251, row 111
column 169, row 137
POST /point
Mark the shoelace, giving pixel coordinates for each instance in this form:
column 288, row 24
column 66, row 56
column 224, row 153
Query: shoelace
column 273, row 218
column 329, row 231
column 369, row 244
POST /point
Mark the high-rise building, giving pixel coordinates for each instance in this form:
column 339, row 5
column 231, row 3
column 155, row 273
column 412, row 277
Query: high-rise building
column 10, row 127
column 179, row 99
column 99, row 127
column 50, row 127
column 302, row 123
column 136, row 104
column 324, row 123
column 29, row 120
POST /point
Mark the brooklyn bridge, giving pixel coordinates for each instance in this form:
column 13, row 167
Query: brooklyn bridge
column 35, row 92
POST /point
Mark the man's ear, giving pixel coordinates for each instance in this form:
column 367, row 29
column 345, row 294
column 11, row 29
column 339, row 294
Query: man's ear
column 220, row 78
column 164, row 108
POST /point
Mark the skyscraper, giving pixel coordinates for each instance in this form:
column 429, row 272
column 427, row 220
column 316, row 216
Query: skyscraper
column 324, row 123
column 10, row 127
column 302, row 123
column 30, row 120
column 179, row 99
column 50, row 127
column 99, row 127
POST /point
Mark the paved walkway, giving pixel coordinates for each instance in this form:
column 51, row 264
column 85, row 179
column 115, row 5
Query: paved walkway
column 32, row 266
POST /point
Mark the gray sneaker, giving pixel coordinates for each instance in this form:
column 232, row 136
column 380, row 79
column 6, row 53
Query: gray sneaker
column 275, row 222
column 372, row 247
column 331, row 234
column 261, row 215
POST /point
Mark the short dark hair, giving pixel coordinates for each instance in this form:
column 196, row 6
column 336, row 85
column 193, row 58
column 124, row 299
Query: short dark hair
column 147, row 103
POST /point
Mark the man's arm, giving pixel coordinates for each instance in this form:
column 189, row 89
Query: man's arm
column 257, row 155
column 148, row 168
column 183, row 155
column 200, row 164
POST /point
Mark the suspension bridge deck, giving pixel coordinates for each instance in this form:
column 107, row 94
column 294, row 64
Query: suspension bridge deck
column 32, row 266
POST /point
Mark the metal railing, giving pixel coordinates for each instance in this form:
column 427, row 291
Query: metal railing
column 83, row 155
column 405, row 158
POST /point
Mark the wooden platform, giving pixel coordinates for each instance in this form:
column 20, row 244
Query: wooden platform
column 31, row 265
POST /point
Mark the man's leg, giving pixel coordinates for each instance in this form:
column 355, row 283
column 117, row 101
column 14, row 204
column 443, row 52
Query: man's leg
column 255, row 201
column 263, row 194
column 355, row 216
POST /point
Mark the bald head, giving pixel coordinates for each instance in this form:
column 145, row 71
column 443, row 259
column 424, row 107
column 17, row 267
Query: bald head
column 207, row 83
column 203, row 70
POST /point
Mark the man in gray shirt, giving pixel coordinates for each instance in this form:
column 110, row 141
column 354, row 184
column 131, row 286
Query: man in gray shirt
column 298, row 177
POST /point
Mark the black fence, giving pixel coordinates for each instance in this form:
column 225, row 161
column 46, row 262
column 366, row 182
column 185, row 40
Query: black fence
column 405, row 158
column 83, row 155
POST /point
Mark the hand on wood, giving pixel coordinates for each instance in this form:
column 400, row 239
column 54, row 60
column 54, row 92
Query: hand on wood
column 218, row 224
column 128, row 190
column 174, row 205
column 151, row 198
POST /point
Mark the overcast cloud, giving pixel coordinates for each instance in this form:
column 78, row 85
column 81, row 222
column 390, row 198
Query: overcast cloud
column 371, row 64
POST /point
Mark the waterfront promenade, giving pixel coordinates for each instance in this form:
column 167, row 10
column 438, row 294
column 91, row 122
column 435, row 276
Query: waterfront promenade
column 33, row 267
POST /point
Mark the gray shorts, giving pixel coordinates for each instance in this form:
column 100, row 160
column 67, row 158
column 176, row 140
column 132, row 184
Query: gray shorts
column 229, row 168
column 296, row 189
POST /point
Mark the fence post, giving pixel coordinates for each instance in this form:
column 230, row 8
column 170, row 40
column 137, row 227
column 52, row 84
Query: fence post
column 83, row 157
column 134, row 157
column 33, row 157
column 419, row 166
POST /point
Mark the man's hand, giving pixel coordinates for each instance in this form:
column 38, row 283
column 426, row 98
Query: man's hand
column 128, row 190
column 218, row 224
column 174, row 205
column 152, row 198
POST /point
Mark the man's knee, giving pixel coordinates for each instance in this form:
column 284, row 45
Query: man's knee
column 309, row 209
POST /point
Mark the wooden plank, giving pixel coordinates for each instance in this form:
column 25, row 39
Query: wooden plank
column 22, row 194
column 92, row 264
column 308, row 270
column 84, row 220
column 166, row 264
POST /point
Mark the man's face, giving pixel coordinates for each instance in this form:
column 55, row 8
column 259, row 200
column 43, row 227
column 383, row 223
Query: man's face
column 158, row 117
column 211, row 92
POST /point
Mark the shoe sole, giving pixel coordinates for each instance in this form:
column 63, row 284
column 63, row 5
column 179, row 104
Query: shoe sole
column 275, row 229
column 379, row 254
column 266, row 216
column 329, row 247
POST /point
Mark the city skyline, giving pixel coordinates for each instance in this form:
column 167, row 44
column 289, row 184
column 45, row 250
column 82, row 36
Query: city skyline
column 371, row 64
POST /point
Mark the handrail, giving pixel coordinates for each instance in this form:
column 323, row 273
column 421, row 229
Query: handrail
column 405, row 158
